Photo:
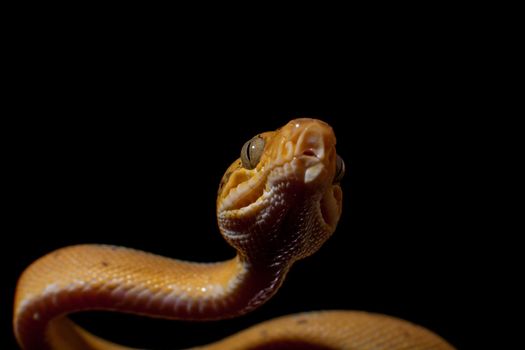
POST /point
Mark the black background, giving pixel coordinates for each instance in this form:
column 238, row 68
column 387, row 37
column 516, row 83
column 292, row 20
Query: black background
column 107, row 146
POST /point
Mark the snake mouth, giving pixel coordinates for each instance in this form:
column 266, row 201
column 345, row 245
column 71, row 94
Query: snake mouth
column 301, row 171
column 245, row 193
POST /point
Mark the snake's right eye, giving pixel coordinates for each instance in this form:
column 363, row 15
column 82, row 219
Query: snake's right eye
column 339, row 169
column 251, row 152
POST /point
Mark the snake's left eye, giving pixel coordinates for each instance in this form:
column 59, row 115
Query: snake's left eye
column 251, row 152
column 339, row 169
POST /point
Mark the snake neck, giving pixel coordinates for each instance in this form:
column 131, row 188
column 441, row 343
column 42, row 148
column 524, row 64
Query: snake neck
column 258, row 283
column 94, row 277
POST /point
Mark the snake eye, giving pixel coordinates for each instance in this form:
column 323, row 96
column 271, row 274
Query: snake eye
column 251, row 152
column 339, row 169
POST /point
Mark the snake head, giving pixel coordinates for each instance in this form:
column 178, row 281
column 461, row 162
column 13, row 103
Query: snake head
column 281, row 200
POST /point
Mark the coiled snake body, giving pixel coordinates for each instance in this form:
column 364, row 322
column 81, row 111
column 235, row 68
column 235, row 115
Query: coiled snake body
column 277, row 204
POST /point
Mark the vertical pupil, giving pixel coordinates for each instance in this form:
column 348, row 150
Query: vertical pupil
column 248, row 151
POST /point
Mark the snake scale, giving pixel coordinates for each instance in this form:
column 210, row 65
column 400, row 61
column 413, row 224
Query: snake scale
column 277, row 204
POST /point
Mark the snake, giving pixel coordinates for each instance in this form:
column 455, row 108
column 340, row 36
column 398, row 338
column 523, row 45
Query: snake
column 277, row 203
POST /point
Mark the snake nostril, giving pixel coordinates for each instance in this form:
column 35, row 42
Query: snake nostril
column 309, row 152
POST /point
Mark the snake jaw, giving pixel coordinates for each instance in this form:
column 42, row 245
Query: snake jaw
column 301, row 172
